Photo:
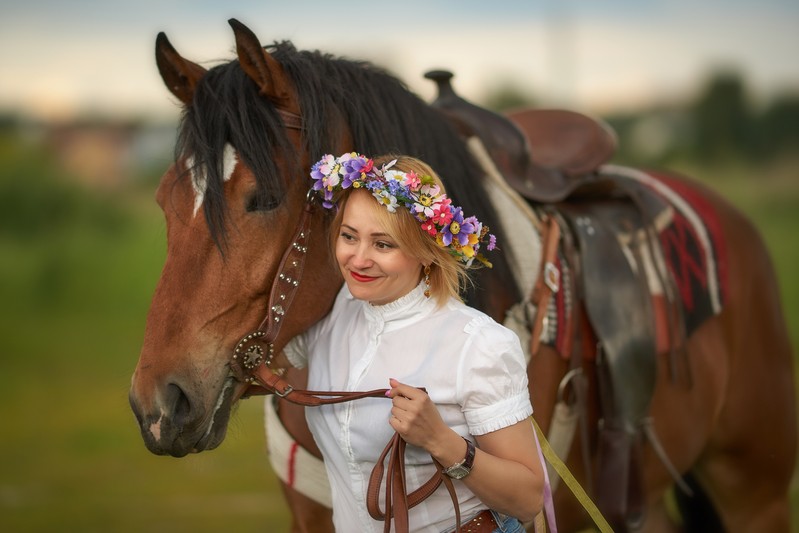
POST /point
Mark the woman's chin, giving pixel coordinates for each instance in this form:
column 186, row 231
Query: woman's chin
column 363, row 291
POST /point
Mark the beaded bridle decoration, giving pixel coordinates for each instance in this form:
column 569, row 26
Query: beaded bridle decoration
column 256, row 349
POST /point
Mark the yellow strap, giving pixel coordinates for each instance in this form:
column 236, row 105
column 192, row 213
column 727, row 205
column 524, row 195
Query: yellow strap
column 567, row 477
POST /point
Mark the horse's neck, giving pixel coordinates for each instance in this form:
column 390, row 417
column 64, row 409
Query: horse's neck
column 519, row 222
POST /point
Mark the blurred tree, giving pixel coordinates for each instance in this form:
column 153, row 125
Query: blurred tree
column 723, row 122
column 9, row 121
column 506, row 97
column 778, row 127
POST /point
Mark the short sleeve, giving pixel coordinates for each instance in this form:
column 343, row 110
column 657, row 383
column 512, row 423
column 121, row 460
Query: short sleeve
column 493, row 379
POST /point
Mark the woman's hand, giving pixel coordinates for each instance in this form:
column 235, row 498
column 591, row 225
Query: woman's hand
column 506, row 474
column 415, row 417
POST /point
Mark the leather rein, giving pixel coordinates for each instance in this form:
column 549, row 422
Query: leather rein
column 254, row 353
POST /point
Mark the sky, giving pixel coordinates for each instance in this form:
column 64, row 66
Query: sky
column 58, row 59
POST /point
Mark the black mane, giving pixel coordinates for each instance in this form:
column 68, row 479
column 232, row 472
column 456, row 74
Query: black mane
column 379, row 111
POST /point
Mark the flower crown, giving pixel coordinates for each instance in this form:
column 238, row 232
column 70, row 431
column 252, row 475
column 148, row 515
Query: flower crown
column 419, row 194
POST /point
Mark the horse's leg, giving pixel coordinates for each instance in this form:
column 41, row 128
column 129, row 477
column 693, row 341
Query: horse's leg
column 750, row 459
column 683, row 413
column 308, row 516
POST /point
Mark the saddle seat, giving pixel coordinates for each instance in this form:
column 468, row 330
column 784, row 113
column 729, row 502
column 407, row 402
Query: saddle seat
column 573, row 144
column 544, row 154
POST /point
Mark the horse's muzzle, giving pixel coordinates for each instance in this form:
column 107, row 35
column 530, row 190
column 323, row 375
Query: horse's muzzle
column 176, row 425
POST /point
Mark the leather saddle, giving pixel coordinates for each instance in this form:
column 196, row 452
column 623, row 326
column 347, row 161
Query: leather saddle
column 544, row 154
column 554, row 157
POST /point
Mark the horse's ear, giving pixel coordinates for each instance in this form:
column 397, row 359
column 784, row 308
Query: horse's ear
column 261, row 67
column 180, row 75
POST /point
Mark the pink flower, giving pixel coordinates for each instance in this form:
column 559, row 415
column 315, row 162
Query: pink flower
column 442, row 214
column 412, row 181
column 430, row 227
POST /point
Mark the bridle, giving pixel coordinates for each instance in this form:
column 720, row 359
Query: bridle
column 250, row 364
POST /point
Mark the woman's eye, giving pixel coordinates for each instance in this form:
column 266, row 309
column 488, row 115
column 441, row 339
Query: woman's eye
column 384, row 245
column 346, row 236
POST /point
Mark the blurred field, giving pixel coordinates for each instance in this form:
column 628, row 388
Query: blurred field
column 77, row 269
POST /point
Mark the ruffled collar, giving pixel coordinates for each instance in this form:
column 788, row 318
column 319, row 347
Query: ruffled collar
column 412, row 304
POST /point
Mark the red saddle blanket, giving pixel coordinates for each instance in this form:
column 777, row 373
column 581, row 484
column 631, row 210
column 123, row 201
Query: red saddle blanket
column 693, row 249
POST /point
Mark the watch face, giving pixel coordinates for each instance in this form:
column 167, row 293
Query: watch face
column 458, row 472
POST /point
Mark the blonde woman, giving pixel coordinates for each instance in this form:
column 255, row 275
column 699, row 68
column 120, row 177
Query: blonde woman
column 404, row 252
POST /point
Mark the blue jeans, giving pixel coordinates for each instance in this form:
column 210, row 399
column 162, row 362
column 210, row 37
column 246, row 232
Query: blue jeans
column 507, row 524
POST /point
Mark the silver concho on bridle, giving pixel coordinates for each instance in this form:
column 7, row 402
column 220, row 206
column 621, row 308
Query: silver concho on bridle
column 250, row 355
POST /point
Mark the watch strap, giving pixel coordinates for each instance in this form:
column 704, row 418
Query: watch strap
column 468, row 460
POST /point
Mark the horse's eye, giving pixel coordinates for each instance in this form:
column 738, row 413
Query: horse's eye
column 262, row 202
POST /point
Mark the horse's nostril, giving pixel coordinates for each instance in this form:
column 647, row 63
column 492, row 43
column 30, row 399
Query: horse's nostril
column 178, row 403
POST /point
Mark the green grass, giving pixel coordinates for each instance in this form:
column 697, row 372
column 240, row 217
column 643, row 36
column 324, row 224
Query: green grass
column 77, row 269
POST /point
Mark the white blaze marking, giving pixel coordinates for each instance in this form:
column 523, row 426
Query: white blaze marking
column 199, row 178
column 155, row 429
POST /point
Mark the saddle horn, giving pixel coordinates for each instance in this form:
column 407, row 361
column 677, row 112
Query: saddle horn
column 262, row 68
column 180, row 75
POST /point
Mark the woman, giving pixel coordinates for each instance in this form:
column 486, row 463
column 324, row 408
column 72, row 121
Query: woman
column 403, row 250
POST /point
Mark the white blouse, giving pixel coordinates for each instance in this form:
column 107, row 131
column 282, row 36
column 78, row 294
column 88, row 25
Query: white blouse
column 472, row 368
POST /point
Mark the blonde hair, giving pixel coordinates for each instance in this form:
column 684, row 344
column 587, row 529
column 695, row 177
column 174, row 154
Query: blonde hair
column 448, row 275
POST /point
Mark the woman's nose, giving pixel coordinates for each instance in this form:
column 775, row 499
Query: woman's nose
column 361, row 258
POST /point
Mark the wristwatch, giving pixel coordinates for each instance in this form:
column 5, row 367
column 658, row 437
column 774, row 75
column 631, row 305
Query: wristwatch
column 463, row 468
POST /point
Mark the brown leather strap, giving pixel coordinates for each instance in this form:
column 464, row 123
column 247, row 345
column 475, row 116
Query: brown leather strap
column 256, row 350
column 287, row 282
column 548, row 279
column 265, row 381
column 398, row 501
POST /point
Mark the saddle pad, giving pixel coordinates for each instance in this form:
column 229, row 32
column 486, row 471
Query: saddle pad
column 693, row 246
column 694, row 252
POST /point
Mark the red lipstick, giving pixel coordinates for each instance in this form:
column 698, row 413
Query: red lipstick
column 361, row 277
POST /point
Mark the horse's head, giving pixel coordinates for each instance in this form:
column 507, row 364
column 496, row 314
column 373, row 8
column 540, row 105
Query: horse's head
column 232, row 200
column 250, row 130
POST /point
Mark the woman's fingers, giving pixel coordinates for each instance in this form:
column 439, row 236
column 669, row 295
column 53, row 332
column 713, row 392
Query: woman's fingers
column 401, row 389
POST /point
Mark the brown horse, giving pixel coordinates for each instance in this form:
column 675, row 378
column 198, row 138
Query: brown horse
column 251, row 129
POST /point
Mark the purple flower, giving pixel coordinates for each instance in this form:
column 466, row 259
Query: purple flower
column 353, row 169
column 458, row 229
